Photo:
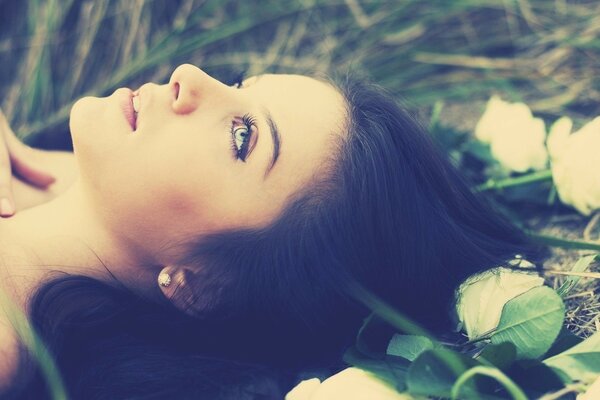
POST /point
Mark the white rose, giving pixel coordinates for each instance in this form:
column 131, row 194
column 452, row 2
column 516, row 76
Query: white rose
column 592, row 392
column 349, row 384
column 482, row 296
column 304, row 390
column 515, row 137
column 575, row 163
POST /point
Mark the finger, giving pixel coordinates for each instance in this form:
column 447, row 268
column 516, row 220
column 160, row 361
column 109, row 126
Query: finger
column 7, row 131
column 7, row 208
column 19, row 154
column 31, row 174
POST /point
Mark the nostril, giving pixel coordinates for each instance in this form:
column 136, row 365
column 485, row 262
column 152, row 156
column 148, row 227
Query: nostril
column 176, row 90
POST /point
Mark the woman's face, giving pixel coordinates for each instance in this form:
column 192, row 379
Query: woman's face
column 170, row 172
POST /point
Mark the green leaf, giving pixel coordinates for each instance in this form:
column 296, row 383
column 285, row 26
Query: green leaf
column 479, row 150
column 581, row 265
column 391, row 369
column 431, row 375
column 565, row 340
column 408, row 346
column 447, row 138
column 535, row 378
column 531, row 321
column 499, row 355
column 581, row 361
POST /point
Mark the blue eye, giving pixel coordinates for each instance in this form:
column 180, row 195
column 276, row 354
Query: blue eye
column 240, row 137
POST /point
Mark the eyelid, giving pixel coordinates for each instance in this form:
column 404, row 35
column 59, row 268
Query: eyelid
column 253, row 137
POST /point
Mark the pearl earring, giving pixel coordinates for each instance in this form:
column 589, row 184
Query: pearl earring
column 164, row 279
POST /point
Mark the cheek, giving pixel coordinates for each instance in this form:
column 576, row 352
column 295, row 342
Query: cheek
column 147, row 208
column 169, row 186
column 169, row 183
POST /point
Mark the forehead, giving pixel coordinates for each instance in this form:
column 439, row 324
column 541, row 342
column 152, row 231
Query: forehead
column 310, row 115
column 302, row 83
column 300, row 96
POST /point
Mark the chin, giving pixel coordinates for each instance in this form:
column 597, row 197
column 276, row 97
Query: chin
column 81, row 117
column 87, row 123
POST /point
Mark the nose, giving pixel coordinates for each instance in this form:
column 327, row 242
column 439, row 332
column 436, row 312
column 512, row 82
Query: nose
column 191, row 87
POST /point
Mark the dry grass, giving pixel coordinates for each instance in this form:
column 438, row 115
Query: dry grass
column 583, row 302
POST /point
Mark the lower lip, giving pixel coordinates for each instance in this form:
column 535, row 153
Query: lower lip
column 125, row 96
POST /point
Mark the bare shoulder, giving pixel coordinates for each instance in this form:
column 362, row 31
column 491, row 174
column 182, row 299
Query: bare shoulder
column 11, row 303
column 9, row 351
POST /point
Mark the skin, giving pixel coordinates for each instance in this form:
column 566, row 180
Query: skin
column 28, row 175
column 198, row 186
column 137, row 194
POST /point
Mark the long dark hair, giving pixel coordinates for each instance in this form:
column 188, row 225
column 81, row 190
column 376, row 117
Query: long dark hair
column 393, row 215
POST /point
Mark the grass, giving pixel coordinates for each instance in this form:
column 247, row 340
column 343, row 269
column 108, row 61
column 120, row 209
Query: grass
column 56, row 51
column 429, row 52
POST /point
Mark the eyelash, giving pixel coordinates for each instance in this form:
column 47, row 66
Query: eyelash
column 248, row 121
column 242, row 153
column 237, row 82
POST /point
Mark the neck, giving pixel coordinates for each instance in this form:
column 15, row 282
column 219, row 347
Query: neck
column 65, row 236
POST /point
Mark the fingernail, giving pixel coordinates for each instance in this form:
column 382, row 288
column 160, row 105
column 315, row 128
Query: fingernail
column 6, row 207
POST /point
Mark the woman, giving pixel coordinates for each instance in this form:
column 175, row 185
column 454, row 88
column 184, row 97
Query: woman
column 210, row 242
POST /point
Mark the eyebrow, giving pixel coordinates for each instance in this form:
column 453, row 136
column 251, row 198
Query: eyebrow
column 276, row 141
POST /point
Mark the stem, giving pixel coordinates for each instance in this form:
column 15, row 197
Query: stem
column 402, row 323
column 560, row 242
column 512, row 388
column 595, row 275
column 478, row 339
column 578, row 388
column 537, row 176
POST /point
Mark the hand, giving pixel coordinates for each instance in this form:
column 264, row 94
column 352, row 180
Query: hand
column 16, row 157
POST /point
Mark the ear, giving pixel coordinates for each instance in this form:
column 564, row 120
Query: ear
column 174, row 283
column 190, row 290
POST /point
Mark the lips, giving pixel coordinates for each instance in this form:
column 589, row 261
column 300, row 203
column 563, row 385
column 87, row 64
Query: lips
column 127, row 106
column 135, row 104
